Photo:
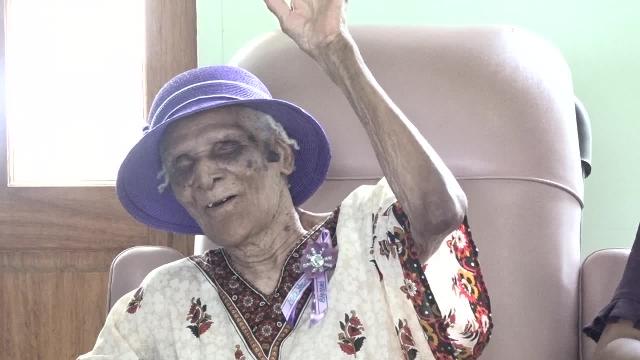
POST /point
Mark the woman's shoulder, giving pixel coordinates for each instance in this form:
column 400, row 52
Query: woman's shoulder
column 172, row 269
column 164, row 277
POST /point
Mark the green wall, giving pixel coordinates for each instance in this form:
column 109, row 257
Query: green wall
column 600, row 41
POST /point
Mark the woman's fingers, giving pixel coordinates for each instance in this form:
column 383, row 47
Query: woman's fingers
column 278, row 7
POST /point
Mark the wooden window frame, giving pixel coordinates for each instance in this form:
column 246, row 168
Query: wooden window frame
column 57, row 243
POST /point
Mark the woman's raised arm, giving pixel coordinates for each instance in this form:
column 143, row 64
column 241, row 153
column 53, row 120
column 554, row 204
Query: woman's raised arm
column 424, row 186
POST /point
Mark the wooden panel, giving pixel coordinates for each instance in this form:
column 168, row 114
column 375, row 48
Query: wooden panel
column 56, row 244
column 171, row 49
column 171, row 41
column 50, row 308
column 47, row 261
column 69, row 218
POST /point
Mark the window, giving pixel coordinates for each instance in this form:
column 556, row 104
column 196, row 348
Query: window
column 74, row 89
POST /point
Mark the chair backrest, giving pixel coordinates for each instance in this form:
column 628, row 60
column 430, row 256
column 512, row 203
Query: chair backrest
column 497, row 104
column 600, row 274
column 130, row 267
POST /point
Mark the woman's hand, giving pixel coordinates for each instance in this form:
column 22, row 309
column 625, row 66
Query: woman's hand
column 313, row 24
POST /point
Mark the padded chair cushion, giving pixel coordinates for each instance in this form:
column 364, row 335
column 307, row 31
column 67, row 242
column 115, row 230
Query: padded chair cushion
column 129, row 268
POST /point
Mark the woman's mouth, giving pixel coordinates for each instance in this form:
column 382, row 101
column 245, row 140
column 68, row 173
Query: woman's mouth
column 219, row 203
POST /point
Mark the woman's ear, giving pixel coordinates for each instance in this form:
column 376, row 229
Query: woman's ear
column 285, row 156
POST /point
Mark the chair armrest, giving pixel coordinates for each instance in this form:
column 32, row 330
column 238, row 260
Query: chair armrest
column 130, row 267
column 599, row 276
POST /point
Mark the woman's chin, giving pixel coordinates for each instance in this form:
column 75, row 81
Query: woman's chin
column 222, row 238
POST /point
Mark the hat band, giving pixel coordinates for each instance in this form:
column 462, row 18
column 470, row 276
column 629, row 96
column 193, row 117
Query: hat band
column 221, row 88
column 179, row 107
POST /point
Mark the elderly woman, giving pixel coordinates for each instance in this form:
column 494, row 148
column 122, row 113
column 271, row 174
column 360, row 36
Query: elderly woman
column 288, row 284
column 616, row 329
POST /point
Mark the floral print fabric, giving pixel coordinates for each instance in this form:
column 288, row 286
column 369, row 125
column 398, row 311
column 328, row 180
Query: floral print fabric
column 383, row 303
column 198, row 317
column 351, row 338
column 447, row 293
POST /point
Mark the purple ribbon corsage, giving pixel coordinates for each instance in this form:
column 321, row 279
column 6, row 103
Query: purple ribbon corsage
column 317, row 259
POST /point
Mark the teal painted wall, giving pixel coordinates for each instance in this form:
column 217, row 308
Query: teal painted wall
column 598, row 39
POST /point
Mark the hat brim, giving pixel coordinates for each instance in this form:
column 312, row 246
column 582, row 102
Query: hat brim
column 137, row 182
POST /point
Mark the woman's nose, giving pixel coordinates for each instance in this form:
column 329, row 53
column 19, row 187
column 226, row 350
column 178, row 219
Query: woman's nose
column 206, row 174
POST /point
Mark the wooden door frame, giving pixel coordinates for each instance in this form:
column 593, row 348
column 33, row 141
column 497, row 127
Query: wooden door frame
column 52, row 235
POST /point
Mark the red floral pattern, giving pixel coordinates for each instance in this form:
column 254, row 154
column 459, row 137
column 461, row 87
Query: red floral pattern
column 408, row 345
column 136, row 302
column 464, row 284
column 239, row 355
column 198, row 317
column 468, row 283
column 352, row 338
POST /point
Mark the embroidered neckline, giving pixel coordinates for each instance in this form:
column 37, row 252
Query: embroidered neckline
column 256, row 316
column 296, row 250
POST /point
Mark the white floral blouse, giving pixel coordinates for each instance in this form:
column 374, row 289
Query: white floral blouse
column 383, row 303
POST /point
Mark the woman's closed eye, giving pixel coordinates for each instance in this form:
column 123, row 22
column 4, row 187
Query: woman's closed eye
column 226, row 148
column 182, row 164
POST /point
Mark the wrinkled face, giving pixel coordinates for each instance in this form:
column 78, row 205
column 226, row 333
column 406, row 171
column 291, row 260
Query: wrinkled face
column 233, row 183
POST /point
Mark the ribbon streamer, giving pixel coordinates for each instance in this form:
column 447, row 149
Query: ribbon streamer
column 318, row 258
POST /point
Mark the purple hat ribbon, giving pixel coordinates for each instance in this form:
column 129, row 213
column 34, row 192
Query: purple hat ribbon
column 317, row 259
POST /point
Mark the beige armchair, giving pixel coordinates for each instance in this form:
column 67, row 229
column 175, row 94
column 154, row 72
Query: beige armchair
column 497, row 103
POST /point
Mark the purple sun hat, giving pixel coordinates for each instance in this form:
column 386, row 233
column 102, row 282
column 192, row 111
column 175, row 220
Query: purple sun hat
column 204, row 89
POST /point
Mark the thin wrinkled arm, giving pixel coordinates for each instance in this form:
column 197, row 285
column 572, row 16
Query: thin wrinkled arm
column 424, row 186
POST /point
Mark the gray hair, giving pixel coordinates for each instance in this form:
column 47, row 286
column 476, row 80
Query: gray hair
column 256, row 122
